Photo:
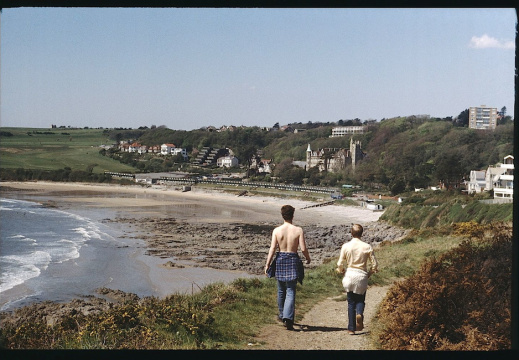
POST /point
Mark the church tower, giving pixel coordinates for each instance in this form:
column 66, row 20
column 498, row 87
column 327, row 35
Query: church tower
column 308, row 157
column 355, row 152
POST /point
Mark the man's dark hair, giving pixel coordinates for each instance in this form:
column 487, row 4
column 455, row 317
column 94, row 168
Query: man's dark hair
column 287, row 212
column 357, row 230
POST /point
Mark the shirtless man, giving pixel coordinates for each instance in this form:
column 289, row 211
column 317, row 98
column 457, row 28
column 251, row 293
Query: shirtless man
column 289, row 268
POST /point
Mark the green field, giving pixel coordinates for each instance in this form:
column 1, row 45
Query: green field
column 31, row 148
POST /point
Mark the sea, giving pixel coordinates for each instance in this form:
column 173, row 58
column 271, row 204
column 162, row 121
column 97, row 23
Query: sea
column 40, row 250
column 59, row 255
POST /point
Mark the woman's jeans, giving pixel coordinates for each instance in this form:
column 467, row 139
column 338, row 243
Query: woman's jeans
column 287, row 299
column 355, row 306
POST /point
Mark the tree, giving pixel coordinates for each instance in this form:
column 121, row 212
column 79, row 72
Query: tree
column 448, row 169
column 288, row 173
column 396, row 186
column 313, row 176
column 505, row 120
column 179, row 158
column 246, row 153
column 463, row 118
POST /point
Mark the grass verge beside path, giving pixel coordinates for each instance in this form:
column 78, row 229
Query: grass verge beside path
column 238, row 322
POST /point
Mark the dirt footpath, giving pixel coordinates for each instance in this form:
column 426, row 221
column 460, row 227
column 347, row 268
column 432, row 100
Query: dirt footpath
column 324, row 327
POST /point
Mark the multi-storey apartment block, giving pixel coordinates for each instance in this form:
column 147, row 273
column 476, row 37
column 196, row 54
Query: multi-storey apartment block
column 346, row 130
column 483, row 117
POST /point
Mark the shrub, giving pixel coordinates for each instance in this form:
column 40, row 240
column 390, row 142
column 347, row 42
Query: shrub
column 450, row 304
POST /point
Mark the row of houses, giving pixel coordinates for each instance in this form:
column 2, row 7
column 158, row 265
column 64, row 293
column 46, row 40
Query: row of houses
column 207, row 156
column 164, row 149
column 499, row 178
column 221, row 128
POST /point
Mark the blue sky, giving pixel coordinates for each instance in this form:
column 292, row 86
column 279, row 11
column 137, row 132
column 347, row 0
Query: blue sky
column 189, row 68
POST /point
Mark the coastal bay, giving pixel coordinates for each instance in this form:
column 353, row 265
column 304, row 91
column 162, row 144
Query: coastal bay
column 181, row 241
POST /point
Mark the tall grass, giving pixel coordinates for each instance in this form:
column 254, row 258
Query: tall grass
column 401, row 259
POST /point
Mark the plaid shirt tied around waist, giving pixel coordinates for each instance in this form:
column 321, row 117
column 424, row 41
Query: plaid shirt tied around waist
column 289, row 267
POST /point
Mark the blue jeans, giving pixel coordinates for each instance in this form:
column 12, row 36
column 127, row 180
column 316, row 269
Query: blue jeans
column 355, row 306
column 287, row 299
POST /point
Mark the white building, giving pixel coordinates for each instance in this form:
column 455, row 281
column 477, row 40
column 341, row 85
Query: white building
column 346, row 130
column 227, row 161
column 264, row 166
column 135, row 147
column 171, row 149
column 165, row 149
column 491, row 176
column 504, row 183
column 179, row 151
column 477, row 182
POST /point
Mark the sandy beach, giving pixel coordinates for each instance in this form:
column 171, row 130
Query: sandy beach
column 186, row 240
column 196, row 206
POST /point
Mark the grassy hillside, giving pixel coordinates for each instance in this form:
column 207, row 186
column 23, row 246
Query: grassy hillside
column 403, row 153
column 53, row 149
column 443, row 210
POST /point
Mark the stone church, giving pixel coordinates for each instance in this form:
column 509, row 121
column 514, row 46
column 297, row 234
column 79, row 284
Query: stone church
column 334, row 159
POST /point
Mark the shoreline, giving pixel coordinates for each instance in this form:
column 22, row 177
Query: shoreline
column 200, row 227
column 136, row 199
column 204, row 236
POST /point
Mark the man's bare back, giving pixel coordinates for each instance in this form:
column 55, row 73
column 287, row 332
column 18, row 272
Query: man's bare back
column 289, row 237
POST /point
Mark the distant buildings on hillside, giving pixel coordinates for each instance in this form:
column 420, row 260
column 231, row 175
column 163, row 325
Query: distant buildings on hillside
column 164, row 149
column 334, row 159
column 483, row 118
column 498, row 178
column 347, row 130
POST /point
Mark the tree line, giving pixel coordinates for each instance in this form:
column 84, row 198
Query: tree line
column 402, row 153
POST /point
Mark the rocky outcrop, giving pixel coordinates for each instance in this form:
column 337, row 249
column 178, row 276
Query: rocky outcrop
column 242, row 246
column 51, row 313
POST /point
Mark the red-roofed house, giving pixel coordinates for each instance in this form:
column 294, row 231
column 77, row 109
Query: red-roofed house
column 165, row 149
